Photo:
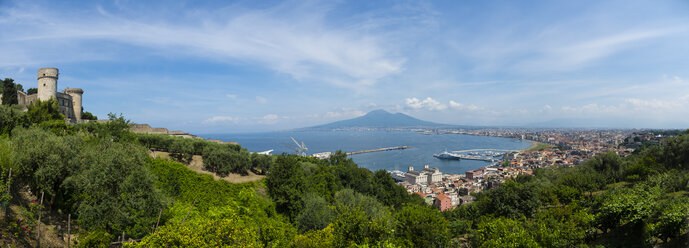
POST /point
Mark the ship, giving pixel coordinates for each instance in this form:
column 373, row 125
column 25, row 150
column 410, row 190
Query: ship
column 447, row 155
column 456, row 156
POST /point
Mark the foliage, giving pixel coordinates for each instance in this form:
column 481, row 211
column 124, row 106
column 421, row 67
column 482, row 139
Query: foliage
column 96, row 239
column 670, row 220
column 675, row 152
column 315, row 238
column 220, row 209
column 116, row 129
column 286, row 185
column 421, row 226
column 566, row 226
column 113, row 191
column 9, row 92
column 361, row 220
column 42, row 160
column 85, row 115
column 214, row 228
column 261, row 163
column 315, row 215
column 11, row 118
column 223, row 161
column 182, row 184
column 32, row 91
column 511, row 199
column 41, row 111
column 502, row 232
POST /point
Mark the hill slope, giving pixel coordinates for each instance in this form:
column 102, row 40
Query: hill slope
column 378, row 119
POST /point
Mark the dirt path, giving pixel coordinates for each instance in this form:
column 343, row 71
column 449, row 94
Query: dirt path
column 196, row 165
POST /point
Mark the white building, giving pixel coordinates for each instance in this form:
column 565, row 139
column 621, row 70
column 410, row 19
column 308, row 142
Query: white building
column 434, row 174
column 416, row 177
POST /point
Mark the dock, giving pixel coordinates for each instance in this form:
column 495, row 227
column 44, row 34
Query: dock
column 379, row 150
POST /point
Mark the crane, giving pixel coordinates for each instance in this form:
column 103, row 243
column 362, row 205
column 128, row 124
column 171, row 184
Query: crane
column 301, row 148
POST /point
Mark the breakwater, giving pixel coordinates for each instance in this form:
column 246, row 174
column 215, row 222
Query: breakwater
column 379, row 150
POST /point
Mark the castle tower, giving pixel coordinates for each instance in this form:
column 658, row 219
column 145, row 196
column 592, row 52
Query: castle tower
column 47, row 84
column 76, row 94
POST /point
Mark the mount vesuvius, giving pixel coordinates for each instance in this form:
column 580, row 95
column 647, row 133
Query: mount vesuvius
column 378, row 119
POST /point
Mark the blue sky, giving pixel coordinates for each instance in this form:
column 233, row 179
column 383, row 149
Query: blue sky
column 248, row 66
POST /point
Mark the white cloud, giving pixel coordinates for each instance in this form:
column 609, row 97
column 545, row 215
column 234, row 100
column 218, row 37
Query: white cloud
column 220, row 119
column 467, row 107
column 231, row 96
column 428, row 103
column 292, row 38
column 270, row 117
column 344, row 113
column 261, row 100
column 673, row 105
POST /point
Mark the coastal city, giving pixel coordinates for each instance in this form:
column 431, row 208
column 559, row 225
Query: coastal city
column 550, row 148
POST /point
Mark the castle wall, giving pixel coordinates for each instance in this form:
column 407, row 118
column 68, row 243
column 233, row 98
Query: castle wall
column 30, row 99
column 65, row 103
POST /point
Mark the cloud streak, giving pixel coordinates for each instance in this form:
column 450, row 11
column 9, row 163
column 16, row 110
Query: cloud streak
column 290, row 38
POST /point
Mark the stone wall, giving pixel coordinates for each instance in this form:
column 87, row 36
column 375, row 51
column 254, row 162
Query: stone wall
column 145, row 128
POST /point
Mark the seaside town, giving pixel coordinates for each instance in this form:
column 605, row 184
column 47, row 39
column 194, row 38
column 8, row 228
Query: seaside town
column 560, row 148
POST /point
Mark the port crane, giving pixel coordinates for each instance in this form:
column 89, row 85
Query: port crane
column 301, row 148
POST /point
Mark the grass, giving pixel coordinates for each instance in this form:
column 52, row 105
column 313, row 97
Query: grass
column 538, row 146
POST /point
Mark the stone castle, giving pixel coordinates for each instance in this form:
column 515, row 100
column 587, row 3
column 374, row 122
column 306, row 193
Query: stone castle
column 69, row 99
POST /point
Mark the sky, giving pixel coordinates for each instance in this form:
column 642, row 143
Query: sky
column 255, row 66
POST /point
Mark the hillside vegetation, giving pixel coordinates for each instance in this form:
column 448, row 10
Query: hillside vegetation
column 101, row 175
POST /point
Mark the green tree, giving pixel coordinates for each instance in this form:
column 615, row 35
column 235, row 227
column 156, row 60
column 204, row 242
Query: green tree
column 422, row 226
column 671, row 219
column 41, row 111
column 608, row 163
column 285, row 182
column 566, row 226
column 502, row 232
column 315, row 239
column 10, row 118
column 511, row 199
column 261, row 163
column 675, row 152
column 42, row 159
column 9, row 92
column 627, row 206
column 116, row 129
column 322, row 181
column 388, row 192
column 315, row 215
column 32, row 91
column 361, row 220
column 113, row 191
column 85, row 115
column 182, row 149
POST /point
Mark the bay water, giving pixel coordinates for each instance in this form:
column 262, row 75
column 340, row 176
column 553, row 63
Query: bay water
column 422, row 147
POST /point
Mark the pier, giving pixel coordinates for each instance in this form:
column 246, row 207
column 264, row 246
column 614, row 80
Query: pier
column 379, row 150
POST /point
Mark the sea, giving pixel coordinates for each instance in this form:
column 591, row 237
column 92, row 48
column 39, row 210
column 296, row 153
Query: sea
column 421, row 150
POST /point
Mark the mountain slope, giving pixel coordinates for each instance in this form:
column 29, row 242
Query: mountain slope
column 378, row 119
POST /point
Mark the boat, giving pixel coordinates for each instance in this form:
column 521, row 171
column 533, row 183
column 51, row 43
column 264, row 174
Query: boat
column 447, row 155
